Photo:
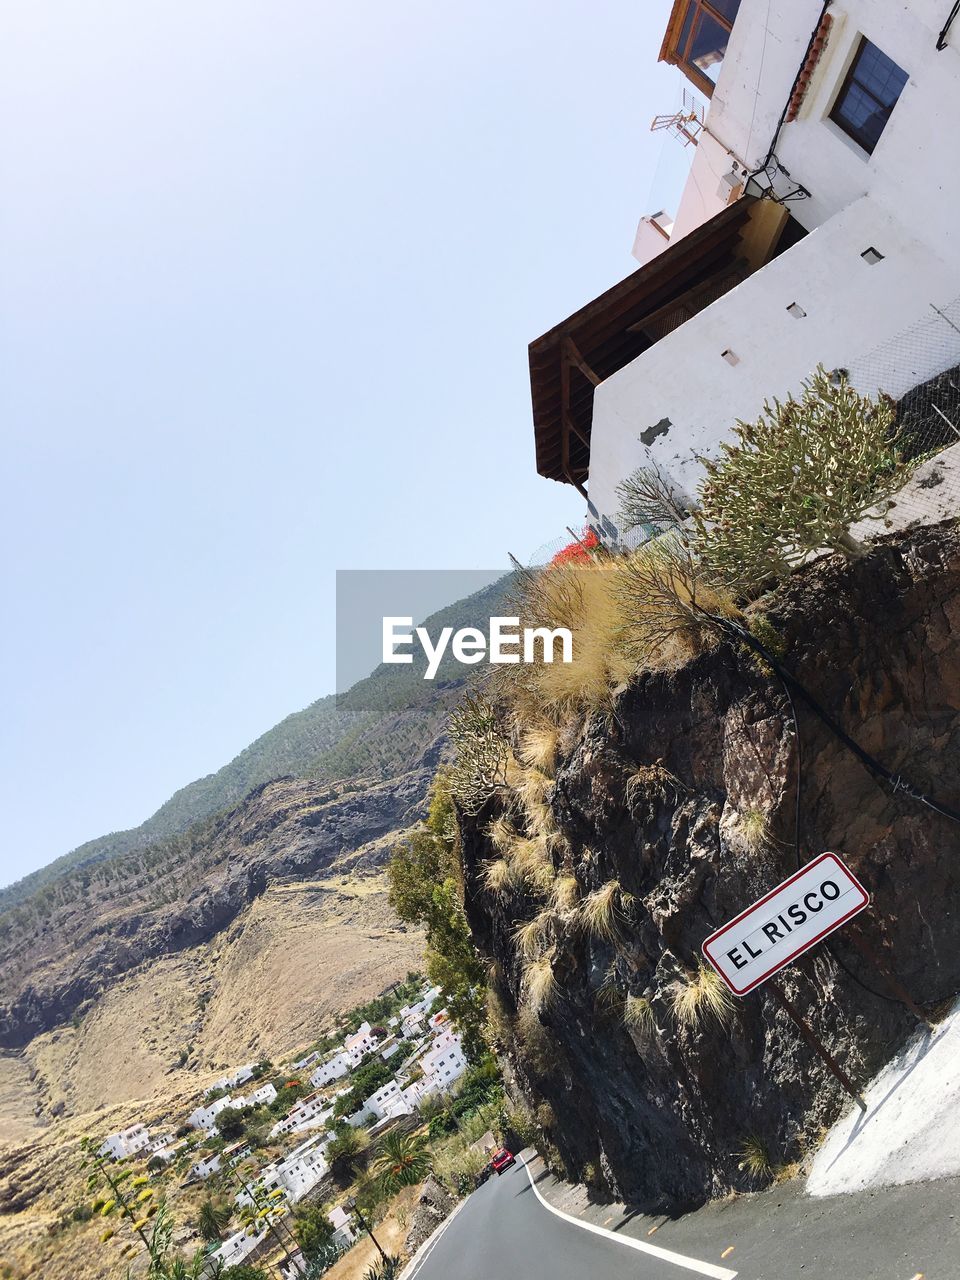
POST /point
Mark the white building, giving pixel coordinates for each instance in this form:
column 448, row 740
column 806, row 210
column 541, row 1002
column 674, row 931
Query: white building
column 208, row 1163
column 428, row 998
column 237, row 1247
column 443, row 1063
column 263, row 1096
column 386, row 1101
column 389, row 1048
column 333, row 1069
column 236, row 1152
column 308, row 1061
column 168, row 1153
column 205, row 1117
column 360, row 1043
column 127, row 1142
column 311, row 1112
column 156, row 1145
column 343, row 1232
column 239, row 1075
column 818, row 225
column 294, row 1175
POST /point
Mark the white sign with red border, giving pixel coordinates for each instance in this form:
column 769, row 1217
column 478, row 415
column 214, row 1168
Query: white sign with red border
column 785, row 923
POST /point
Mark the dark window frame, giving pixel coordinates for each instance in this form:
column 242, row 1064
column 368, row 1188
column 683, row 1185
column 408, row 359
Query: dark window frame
column 679, row 56
column 854, row 132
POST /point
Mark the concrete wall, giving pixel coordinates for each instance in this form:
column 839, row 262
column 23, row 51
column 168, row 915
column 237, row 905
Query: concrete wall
column 851, row 307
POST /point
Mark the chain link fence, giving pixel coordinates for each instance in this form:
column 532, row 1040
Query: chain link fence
column 919, row 368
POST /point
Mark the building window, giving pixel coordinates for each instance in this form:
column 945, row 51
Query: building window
column 696, row 39
column 868, row 95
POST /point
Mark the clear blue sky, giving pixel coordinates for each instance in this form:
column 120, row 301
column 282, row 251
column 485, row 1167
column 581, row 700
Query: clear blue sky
column 270, row 270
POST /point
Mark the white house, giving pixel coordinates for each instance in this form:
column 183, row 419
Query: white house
column 263, row 1096
column 312, row 1112
column 308, row 1061
column 333, row 1069
column 386, row 1101
column 343, row 1232
column 156, row 1145
column 294, row 1175
column 205, row 1117
column 361, row 1042
column 208, row 1163
column 167, row 1153
column 236, row 1152
column 127, row 1142
column 428, row 999
column 443, row 1063
column 237, row 1247
column 818, row 225
column 239, row 1075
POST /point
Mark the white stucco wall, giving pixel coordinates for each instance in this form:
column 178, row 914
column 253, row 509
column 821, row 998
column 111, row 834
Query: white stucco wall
column 910, row 168
column 851, row 307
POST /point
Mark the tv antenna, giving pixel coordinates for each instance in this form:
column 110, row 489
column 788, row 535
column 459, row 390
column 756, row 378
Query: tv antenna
column 685, row 124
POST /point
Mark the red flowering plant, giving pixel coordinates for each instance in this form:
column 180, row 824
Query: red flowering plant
column 578, row 552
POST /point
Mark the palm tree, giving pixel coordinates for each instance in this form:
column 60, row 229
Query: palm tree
column 212, row 1218
column 404, row 1159
column 345, row 1154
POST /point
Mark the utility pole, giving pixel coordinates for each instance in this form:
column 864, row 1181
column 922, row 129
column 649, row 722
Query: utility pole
column 351, row 1204
column 814, row 1041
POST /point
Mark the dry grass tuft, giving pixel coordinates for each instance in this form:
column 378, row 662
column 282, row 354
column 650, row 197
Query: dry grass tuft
column 531, row 936
column 565, row 893
column 702, row 997
column 584, row 600
column 538, row 748
column 753, row 830
column 668, row 595
column 540, row 819
column 541, row 984
column 652, row 779
column 601, row 913
column 533, row 787
column 531, row 862
column 638, row 1013
column 502, row 834
column 499, row 876
column 755, row 1157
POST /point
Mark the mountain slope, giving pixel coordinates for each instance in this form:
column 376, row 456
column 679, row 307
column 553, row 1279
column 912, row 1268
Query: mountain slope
column 372, row 730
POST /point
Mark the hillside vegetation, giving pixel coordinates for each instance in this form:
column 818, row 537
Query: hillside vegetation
column 372, row 731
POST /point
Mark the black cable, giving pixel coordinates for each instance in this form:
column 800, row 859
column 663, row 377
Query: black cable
column 860, row 983
column 797, row 789
column 897, row 781
column 783, row 115
column 942, row 37
column 782, row 677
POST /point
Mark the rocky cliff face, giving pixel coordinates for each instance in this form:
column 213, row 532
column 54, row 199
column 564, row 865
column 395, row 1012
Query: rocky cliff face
column 685, row 795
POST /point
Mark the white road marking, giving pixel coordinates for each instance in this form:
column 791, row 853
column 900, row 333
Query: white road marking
column 665, row 1255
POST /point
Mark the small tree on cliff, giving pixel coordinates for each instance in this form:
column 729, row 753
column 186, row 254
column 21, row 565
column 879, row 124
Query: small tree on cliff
column 424, row 876
column 796, row 479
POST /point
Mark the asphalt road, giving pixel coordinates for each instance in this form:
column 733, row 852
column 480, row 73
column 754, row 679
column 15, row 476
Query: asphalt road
column 504, row 1229
column 903, row 1233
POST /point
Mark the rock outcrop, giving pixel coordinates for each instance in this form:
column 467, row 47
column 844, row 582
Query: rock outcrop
column 686, row 795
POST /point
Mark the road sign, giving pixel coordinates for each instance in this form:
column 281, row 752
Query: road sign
column 785, row 923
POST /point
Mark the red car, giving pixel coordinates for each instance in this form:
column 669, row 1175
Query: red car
column 502, row 1160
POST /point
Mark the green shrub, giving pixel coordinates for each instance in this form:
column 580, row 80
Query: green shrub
column 796, row 479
